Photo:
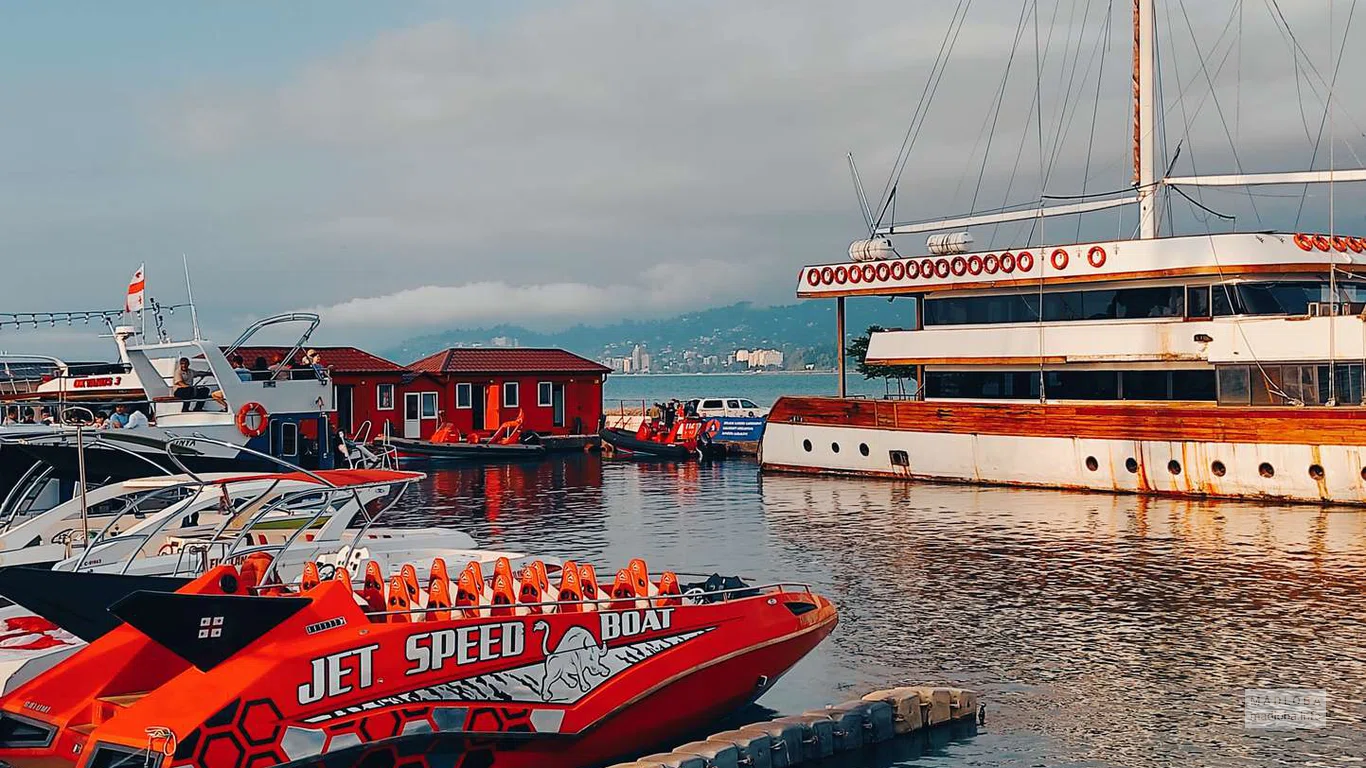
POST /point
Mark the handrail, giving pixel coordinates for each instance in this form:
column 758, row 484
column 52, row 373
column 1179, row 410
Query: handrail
column 189, row 440
column 289, row 317
column 652, row 599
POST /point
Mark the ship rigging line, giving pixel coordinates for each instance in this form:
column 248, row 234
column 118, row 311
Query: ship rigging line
column 946, row 46
column 1328, row 106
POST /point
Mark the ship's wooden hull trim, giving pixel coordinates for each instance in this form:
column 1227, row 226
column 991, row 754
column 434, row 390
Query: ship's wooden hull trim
column 1288, row 454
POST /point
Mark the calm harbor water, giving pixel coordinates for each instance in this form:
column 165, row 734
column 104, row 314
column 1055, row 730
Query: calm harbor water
column 1103, row 630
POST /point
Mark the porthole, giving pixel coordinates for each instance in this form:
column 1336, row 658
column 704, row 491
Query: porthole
column 1316, row 471
column 1174, row 467
column 835, row 447
column 806, row 446
column 1218, row 468
column 1092, row 464
column 1266, row 470
column 1131, row 464
column 863, row 448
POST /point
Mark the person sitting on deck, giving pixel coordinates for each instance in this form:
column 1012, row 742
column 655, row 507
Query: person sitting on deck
column 184, row 387
column 316, row 361
column 119, row 418
column 139, row 419
column 239, row 367
column 46, row 417
column 260, row 369
column 11, row 415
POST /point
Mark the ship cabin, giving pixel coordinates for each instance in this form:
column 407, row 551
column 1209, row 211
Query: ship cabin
column 1234, row 319
column 365, row 385
column 282, row 412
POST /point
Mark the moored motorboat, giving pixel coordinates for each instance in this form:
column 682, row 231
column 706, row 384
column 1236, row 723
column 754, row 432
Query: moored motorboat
column 675, row 440
column 507, row 443
column 504, row 672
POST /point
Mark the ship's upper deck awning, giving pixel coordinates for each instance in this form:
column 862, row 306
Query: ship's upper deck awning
column 1198, row 256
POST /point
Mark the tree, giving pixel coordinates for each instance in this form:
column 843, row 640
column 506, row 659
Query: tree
column 858, row 350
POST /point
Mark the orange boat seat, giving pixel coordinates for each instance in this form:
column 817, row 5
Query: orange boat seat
column 439, row 599
column 311, row 578
column 570, row 593
column 398, row 601
column 588, row 582
column 669, row 590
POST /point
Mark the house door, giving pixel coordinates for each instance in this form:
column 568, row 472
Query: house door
column 480, row 397
column 557, row 404
column 412, row 415
column 345, row 413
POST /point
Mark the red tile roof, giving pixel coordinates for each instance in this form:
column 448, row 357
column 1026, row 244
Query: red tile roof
column 339, row 359
column 506, row 360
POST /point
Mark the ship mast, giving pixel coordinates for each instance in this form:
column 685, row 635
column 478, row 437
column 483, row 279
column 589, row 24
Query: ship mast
column 1145, row 120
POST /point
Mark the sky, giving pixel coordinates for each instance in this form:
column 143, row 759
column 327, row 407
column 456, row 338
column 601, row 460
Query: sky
column 409, row 167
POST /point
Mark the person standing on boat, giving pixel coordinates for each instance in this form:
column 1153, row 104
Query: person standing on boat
column 184, row 387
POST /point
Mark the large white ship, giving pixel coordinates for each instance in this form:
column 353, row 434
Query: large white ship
column 1220, row 365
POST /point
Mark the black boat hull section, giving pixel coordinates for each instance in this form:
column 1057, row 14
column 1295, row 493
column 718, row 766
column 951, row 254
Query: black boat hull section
column 78, row 602
column 626, row 443
column 426, row 449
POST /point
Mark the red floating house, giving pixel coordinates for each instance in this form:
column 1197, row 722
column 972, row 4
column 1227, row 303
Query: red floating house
column 554, row 392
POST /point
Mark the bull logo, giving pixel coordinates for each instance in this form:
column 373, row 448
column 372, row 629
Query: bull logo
column 575, row 661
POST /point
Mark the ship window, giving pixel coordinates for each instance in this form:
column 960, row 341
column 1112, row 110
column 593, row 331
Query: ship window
column 1266, row 384
column 903, row 459
column 1221, row 300
column 1234, row 385
column 1197, row 301
column 992, row 385
column 1194, row 385
column 1146, row 385
column 1082, row 385
column 289, row 439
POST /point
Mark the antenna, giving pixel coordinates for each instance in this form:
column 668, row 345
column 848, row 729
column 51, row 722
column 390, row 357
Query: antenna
column 862, row 196
column 189, row 292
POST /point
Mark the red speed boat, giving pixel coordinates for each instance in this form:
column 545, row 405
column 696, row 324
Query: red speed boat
column 467, row 672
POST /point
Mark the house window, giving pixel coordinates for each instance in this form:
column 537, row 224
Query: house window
column 544, row 394
column 511, row 394
column 464, row 395
column 429, row 405
column 385, row 395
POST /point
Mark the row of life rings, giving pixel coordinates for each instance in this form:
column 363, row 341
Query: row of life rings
column 941, row 268
column 1325, row 243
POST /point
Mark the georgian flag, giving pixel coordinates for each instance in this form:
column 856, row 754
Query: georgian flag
column 135, row 290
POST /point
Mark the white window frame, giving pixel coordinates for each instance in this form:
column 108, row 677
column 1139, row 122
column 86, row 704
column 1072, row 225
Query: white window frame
column 379, row 399
column 515, row 387
column 422, row 406
column 468, row 390
column 545, row 394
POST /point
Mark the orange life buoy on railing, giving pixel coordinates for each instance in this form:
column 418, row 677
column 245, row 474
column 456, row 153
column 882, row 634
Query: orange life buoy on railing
column 841, row 275
column 883, row 271
column 1341, row 244
column 1096, row 256
column 990, row 263
column 974, row 265
column 869, row 273
column 1025, row 261
column 899, row 270
column 1007, row 262
column 1322, row 243
column 827, row 275
column 245, row 416
column 1305, row 242
column 1059, row 259
column 1356, row 244
column 959, row 266
column 813, row 277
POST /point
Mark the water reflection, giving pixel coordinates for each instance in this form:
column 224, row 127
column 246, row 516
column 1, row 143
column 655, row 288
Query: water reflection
column 1105, row 630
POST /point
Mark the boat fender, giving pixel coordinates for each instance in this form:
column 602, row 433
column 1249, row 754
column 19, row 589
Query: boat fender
column 905, row 706
column 869, row 273
column 755, row 748
column 252, row 420
column 1059, row 259
column 718, row 754
column 1096, row 257
column 785, row 741
column 818, row 734
column 1305, row 242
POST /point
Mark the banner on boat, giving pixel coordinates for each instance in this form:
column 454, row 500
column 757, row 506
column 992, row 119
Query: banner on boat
column 734, row 429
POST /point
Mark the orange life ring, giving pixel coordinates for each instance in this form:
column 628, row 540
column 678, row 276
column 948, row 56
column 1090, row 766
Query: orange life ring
column 855, row 274
column 1007, row 262
column 1096, row 256
column 900, row 270
column 990, row 263
column 959, row 266
column 869, row 273
column 1059, row 259
column 1322, row 243
column 252, row 410
column 941, row 268
column 1340, row 243
column 1356, row 244
column 883, row 271
column 1305, row 242
column 841, row 274
column 712, row 428
column 927, row 268
column 813, row 277
column 1025, row 261
column 827, row 275
column 975, row 265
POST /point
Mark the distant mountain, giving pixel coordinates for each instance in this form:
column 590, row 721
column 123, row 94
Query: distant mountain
column 804, row 332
